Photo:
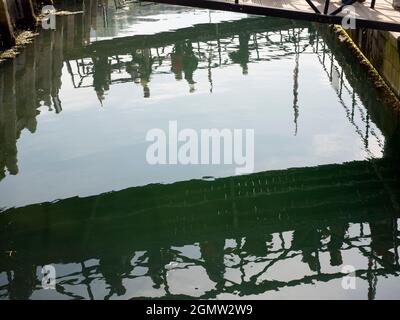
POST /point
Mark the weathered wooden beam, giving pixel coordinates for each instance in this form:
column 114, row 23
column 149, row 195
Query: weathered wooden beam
column 6, row 27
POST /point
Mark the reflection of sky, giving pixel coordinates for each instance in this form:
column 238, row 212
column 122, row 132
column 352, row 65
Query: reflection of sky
column 145, row 19
column 88, row 149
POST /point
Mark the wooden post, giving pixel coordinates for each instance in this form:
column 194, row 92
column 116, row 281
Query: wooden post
column 43, row 2
column 29, row 12
column 6, row 27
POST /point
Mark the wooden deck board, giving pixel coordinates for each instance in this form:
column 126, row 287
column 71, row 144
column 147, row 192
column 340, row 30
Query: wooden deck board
column 383, row 10
column 383, row 16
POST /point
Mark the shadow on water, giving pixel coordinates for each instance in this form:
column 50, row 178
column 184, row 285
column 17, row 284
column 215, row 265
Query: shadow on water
column 259, row 234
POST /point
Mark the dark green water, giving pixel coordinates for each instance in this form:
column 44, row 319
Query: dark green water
column 77, row 193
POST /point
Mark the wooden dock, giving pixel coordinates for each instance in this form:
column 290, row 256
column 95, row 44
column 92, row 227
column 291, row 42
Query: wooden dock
column 16, row 14
column 382, row 16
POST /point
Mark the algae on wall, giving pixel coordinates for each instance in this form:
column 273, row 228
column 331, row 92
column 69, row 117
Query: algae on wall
column 382, row 49
column 387, row 93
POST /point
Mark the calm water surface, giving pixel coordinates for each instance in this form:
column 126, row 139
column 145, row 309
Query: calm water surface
column 76, row 191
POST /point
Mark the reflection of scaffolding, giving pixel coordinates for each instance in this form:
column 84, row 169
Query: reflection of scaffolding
column 88, row 275
column 82, row 71
column 247, row 196
column 342, row 87
column 243, row 48
column 79, row 72
column 250, row 226
column 210, row 54
column 137, row 59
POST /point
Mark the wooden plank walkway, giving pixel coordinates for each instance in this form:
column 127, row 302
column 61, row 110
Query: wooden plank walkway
column 383, row 16
column 383, row 10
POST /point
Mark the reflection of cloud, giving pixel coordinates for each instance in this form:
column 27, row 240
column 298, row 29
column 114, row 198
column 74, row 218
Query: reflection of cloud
column 192, row 281
column 375, row 148
column 330, row 145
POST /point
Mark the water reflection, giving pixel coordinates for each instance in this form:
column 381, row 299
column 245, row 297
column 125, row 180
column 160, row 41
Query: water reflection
column 271, row 234
column 260, row 234
column 139, row 59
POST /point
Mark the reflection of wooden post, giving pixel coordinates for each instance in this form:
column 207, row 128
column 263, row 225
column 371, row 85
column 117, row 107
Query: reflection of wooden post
column 57, row 66
column 2, row 124
column 6, row 28
column 44, row 46
column 10, row 114
column 30, row 89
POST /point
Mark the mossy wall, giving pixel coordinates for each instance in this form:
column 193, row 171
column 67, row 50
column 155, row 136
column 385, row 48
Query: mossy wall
column 382, row 48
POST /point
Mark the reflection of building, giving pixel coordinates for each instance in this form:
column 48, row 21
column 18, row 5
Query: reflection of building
column 8, row 122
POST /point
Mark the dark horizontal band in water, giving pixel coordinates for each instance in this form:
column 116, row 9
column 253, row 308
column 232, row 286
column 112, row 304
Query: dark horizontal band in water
column 186, row 212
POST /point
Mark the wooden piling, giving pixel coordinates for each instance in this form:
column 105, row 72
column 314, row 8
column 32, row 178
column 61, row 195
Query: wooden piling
column 6, row 27
column 28, row 12
column 18, row 14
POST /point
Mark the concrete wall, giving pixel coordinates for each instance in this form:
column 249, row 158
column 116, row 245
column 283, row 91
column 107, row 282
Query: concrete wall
column 382, row 48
